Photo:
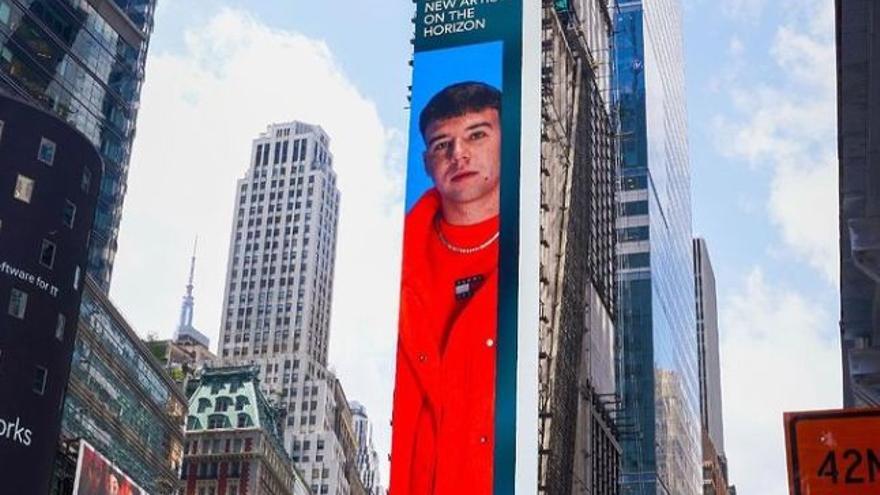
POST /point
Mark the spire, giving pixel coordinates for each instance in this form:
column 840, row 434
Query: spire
column 192, row 272
column 185, row 326
column 186, row 309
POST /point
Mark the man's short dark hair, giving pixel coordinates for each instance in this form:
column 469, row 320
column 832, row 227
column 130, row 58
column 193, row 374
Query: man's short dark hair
column 457, row 100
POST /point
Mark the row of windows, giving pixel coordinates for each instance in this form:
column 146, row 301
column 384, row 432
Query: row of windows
column 307, row 444
column 45, row 154
column 209, row 470
column 216, row 446
column 222, row 404
column 281, row 151
column 24, row 190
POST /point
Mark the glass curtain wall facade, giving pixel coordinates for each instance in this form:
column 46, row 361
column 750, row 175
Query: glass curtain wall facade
column 121, row 401
column 83, row 60
column 659, row 384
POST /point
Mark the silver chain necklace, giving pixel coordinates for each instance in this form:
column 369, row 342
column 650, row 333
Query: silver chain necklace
column 458, row 249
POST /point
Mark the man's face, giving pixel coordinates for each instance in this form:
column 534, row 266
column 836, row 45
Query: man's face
column 114, row 485
column 463, row 156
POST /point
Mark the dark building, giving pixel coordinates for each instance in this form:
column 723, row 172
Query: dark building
column 84, row 61
column 578, row 437
column 121, row 401
column 858, row 103
column 49, row 182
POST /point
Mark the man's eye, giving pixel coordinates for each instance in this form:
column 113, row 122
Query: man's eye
column 477, row 135
column 442, row 145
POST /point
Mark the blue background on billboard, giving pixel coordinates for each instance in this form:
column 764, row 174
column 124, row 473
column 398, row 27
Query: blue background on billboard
column 433, row 71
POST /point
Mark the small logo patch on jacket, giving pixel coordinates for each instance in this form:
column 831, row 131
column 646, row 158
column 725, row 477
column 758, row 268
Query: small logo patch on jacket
column 466, row 287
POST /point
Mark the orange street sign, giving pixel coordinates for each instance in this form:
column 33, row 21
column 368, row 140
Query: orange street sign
column 833, row 452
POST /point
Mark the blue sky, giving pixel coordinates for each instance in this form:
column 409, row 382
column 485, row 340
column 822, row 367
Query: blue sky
column 760, row 80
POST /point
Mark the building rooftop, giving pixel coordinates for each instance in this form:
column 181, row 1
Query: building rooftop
column 230, row 398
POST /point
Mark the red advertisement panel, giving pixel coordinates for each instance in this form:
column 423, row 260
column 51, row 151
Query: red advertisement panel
column 95, row 475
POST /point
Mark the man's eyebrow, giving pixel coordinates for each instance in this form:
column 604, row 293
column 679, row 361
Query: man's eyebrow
column 478, row 125
column 471, row 127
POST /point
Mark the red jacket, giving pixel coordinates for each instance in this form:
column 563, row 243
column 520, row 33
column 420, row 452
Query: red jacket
column 444, row 395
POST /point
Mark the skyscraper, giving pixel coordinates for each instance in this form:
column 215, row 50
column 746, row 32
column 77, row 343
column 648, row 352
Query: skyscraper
column 49, row 181
column 367, row 459
column 715, row 477
column 279, row 284
column 579, row 447
column 85, row 62
column 709, row 358
column 858, row 107
column 659, row 384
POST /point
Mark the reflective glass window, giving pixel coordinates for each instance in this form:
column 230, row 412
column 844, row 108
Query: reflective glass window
column 86, row 183
column 24, row 189
column 59, row 327
column 46, row 153
column 17, row 303
column 69, row 214
column 47, row 253
column 40, row 375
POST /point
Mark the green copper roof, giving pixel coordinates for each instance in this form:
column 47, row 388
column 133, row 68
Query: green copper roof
column 230, row 398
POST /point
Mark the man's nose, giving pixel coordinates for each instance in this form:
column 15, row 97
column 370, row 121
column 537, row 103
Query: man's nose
column 460, row 150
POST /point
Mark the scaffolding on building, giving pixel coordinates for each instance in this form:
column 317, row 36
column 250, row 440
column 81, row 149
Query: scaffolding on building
column 578, row 436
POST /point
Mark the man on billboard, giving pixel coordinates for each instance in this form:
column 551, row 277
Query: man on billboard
column 444, row 398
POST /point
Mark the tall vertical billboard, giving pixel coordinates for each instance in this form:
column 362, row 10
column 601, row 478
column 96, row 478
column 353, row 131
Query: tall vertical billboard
column 465, row 396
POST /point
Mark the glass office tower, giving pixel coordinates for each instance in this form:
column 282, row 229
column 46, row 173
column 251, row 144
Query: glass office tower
column 84, row 60
column 658, row 383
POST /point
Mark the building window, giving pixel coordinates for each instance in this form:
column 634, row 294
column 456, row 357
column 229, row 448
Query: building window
column 77, row 275
column 4, row 16
column 59, row 327
column 69, row 214
column 86, row 181
column 635, row 208
column 217, row 421
column 244, row 421
column 24, row 189
column 39, row 386
column 2, row 6
column 46, row 153
column 17, row 303
column 47, row 254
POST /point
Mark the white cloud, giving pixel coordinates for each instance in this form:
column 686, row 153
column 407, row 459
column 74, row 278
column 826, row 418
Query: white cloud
column 743, row 9
column 200, row 110
column 788, row 122
column 780, row 353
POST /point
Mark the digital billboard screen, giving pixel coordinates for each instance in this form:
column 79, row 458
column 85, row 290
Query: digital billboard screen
column 95, row 475
column 456, row 396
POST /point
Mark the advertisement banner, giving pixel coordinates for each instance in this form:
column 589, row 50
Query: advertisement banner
column 459, row 388
column 96, row 475
column 833, row 452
